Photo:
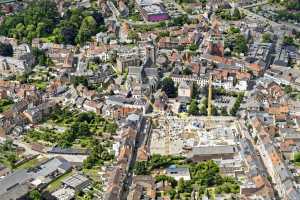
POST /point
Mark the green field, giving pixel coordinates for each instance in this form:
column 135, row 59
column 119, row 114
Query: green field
column 57, row 183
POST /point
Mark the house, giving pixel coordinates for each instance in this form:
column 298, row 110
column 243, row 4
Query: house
column 10, row 66
column 256, row 69
column 242, row 85
column 260, row 54
column 178, row 173
column 142, row 188
column 168, row 43
column 38, row 113
column 19, row 191
column 277, row 168
column 93, row 106
column 114, row 187
column 277, row 109
column 143, row 80
column 128, row 60
column 185, row 90
column 3, row 94
column 20, row 63
column 131, row 103
column 143, row 153
column 161, row 101
column 275, row 90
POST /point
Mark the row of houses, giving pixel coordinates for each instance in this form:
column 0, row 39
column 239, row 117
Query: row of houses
column 125, row 152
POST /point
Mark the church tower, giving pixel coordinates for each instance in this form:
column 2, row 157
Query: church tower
column 150, row 53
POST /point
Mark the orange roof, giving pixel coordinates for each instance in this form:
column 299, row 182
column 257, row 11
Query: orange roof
column 255, row 67
column 259, row 181
column 275, row 158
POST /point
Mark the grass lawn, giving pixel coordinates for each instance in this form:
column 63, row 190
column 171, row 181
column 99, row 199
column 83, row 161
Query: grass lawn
column 297, row 164
column 57, row 183
column 92, row 173
column 5, row 104
column 40, row 85
column 5, row 162
column 31, row 163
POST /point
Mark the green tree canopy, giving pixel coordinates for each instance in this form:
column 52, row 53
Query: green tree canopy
column 267, row 38
column 6, row 50
column 35, row 195
column 87, row 29
column 168, row 86
column 193, row 108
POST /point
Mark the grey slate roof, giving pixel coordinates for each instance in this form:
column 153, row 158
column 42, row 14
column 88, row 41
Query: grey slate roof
column 24, row 176
column 14, row 179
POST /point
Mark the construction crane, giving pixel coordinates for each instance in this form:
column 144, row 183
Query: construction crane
column 209, row 103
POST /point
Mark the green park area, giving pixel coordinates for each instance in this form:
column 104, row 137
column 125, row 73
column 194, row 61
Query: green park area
column 54, row 185
column 74, row 129
column 8, row 155
column 71, row 128
column 205, row 177
column 5, row 104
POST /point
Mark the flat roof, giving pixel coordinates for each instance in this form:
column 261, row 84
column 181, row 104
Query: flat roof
column 75, row 180
column 210, row 150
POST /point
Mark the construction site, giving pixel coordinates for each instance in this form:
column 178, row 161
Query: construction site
column 178, row 136
column 174, row 135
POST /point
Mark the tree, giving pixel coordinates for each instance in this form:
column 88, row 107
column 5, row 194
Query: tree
column 193, row 47
column 164, row 34
column 240, row 44
column 187, row 71
column 236, row 14
column 224, row 111
column 41, row 29
column 236, row 41
column 287, row 40
column 168, row 86
column 12, row 158
column 267, row 38
column 8, row 145
column 37, row 19
column 203, row 110
column 165, row 178
column 179, row 21
column 6, row 50
column 193, row 108
column 237, row 104
column 141, row 168
column 195, row 91
column 35, row 195
column 297, row 157
column 180, row 186
column 133, row 35
column 214, row 111
column 77, row 80
column 87, row 29
column 40, row 57
column 66, row 32
column 288, row 89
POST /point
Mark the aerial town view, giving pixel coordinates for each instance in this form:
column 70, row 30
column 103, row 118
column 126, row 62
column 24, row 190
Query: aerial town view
column 149, row 99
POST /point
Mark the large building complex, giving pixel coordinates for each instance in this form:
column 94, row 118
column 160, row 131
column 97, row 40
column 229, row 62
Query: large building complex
column 152, row 11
